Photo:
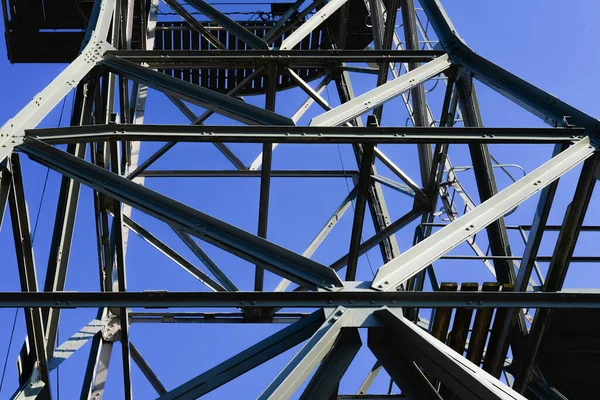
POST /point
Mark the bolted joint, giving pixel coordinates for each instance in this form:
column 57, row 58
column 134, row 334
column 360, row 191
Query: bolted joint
column 111, row 331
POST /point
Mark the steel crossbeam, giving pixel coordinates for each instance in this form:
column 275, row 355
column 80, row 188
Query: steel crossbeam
column 304, row 134
column 302, row 299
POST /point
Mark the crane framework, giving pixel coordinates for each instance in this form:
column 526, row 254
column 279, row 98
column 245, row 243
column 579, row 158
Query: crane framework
column 505, row 334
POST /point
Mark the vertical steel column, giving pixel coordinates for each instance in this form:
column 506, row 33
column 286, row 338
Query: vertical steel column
column 265, row 175
column 420, row 117
column 364, row 182
column 498, row 348
column 119, row 259
column 64, row 224
column 486, row 181
column 386, row 44
column 36, row 359
column 377, row 206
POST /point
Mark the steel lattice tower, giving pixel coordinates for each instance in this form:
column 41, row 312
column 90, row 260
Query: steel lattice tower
column 495, row 334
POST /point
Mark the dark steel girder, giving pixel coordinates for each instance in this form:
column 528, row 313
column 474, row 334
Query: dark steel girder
column 300, row 299
column 33, row 356
column 499, row 343
column 486, row 181
column 282, row 58
column 305, row 134
column 557, row 270
column 419, row 102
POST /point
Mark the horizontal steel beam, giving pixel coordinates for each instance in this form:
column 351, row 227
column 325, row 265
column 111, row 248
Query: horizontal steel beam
column 187, row 59
column 304, row 134
column 190, row 173
column 210, row 318
column 354, row 299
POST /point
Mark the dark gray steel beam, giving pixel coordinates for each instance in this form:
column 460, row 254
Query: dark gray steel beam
column 372, row 397
column 282, row 58
column 5, row 180
column 557, row 271
column 211, row 318
column 248, row 359
column 96, row 370
column 498, row 345
column 288, row 264
column 66, row 210
column 195, row 120
column 552, row 110
column 300, row 19
column 214, row 101
column 156, row 173
column 387, row 41
column 464, row 378
column 146, row 370
column 194, row 24
column 364, row 182
column 388, row 245
column 420, row 116
column 380, row 236
column 273, row 32
column 486, row 181
column 265, row 173
column 235, row 28
column 33, row 356
column 206, row 260
column 151, row 160
column 121, row 284
column 399, row 365
column 301, row 299
column 366, row 384
column 305, row 134
column 172, row 254
column 324, row 383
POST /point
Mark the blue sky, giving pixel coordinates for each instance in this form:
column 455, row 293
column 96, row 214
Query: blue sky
column 542, row 41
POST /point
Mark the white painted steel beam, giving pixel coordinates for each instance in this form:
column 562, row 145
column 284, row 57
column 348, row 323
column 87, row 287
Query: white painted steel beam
column 417, row 258
column 373, row 98
column 306, row 28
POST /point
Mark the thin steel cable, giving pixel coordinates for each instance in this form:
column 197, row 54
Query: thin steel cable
column 12, row 333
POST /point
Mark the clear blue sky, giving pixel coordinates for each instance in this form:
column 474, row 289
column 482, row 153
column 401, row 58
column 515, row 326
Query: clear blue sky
column 544, row 41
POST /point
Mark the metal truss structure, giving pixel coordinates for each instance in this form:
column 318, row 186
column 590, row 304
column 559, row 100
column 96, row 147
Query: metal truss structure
column 403, row 310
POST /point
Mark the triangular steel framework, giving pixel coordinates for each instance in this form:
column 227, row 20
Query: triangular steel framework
column 422, row 366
